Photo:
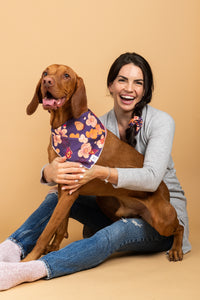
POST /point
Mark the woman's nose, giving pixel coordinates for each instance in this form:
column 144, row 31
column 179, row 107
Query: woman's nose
column 129, row 87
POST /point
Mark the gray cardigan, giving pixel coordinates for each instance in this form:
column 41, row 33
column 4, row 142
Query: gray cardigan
column 154, row 141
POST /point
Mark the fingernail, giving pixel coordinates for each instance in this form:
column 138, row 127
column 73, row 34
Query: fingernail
column 81, row 176
column 63, row 188
column 81, row 166
column 70, row 192
column 83, row 170
column 76, row 180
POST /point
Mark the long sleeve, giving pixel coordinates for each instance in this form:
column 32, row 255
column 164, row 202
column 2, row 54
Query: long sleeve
column 43, row 181
column 155, row 142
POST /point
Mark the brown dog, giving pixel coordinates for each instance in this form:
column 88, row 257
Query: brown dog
column 60, row 86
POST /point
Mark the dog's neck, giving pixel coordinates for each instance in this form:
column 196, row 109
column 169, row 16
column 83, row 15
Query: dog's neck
column 60, row 116
column 63, row 114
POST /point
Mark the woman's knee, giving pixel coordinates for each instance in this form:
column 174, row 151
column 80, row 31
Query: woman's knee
column 126, row 230
column 50, row 201
column 116, row 232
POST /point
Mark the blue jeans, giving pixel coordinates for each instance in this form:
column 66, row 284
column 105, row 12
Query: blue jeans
column 133, row 235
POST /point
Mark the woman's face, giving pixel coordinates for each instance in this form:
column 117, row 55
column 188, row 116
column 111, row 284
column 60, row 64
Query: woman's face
column 128, row 88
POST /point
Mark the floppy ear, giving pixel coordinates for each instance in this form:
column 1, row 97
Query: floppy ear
column 79, row 99
column 37, row 98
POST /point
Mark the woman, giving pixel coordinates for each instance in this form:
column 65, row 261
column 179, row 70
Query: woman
column 151, row 132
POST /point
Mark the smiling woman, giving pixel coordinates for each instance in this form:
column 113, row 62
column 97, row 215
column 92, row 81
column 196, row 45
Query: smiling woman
column 130, row 82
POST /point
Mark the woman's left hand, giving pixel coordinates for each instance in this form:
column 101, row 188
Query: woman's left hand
column 96, row 171
column 85, row 177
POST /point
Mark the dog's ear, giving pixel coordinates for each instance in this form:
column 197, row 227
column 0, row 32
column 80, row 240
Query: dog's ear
column 79, row 99
column 37, row 98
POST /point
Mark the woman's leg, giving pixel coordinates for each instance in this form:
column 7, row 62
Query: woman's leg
column 124, row 235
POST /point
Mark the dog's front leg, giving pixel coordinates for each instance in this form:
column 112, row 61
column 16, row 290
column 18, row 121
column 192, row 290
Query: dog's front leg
column 60, row 233
column 60, row 213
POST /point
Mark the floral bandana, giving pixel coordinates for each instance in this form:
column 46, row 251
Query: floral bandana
column 136, row 121
column 80, row 140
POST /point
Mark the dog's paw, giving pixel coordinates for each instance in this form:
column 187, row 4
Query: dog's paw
column 51, row 248
column 175, row 255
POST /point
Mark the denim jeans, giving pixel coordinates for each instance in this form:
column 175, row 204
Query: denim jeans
column 129, row 234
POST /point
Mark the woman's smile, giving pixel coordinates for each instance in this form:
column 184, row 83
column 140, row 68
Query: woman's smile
column 126, row 99
column 128, row 87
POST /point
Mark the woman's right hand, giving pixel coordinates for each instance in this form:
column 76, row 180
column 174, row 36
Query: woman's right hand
column 63, row 172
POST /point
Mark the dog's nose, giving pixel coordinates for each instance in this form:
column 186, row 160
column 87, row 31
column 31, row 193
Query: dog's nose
column 48, row 81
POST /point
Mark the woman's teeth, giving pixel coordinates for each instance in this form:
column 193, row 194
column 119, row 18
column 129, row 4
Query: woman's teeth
column 127, row 97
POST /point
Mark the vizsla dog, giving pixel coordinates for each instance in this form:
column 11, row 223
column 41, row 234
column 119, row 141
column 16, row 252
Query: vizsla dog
column 63, row 94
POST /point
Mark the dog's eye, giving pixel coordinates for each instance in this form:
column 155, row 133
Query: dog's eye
column 66, row 75
column 45, row 73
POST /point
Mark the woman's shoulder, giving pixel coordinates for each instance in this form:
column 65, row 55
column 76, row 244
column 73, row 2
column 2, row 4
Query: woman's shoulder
column 110, row 122
column 153, row 115
column 107, row 116
column 155, row 112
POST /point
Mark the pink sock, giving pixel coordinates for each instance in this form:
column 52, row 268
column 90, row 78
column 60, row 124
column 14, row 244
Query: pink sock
column 10, row 251
column 12, row 274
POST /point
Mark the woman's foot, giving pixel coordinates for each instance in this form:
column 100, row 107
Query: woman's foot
column 10, row 252
column 12, row 274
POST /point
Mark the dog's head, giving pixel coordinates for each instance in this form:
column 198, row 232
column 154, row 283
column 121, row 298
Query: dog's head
column 59, row 88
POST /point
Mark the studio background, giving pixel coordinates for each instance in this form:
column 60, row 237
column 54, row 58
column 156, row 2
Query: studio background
column 88, row 35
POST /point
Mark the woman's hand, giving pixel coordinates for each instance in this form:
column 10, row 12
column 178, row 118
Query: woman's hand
column 86, row 176
column 63, row 172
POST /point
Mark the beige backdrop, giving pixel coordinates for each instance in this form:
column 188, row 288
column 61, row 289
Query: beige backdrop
column 88, row 35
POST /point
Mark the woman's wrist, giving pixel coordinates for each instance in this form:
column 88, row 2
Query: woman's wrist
column 108, row 177
column 107, row 174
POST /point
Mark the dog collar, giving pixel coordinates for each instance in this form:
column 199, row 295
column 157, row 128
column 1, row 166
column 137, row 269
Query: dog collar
column 80, row 140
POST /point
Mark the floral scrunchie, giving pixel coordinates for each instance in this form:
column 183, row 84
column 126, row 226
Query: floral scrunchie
column 136, row 121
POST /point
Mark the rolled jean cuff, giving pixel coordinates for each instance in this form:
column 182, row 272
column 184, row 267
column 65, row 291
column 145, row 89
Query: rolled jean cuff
column 49, row 272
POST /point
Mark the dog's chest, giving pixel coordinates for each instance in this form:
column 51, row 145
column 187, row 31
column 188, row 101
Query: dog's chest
column 80, row 140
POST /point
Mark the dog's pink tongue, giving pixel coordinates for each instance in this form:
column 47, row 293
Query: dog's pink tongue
column 51, row 103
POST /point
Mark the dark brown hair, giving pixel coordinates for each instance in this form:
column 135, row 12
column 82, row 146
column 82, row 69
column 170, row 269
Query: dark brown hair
column 140, row 62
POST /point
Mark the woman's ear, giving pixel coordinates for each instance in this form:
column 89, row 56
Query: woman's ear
column 79, row 99
column 37, row 98
column 110, row 89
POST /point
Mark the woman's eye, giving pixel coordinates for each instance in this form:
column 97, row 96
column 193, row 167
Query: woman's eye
column 121, row 80
column 139, row 82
